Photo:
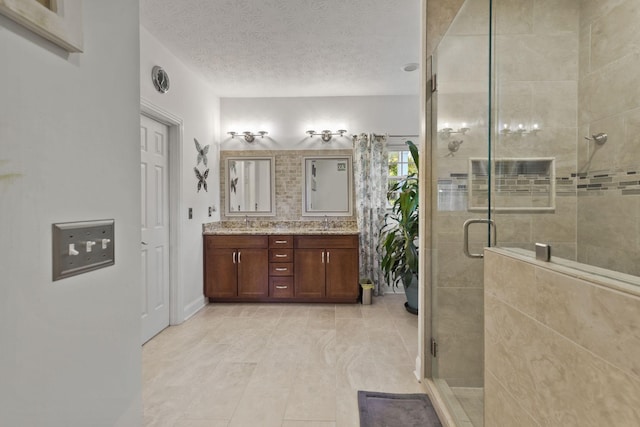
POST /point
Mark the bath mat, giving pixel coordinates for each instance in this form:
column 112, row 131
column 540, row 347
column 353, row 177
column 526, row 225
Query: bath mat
column 396, row 410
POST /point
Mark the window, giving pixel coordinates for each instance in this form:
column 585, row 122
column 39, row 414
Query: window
column 400, row 162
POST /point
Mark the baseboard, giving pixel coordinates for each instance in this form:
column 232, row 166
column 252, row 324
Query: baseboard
column 194, row 307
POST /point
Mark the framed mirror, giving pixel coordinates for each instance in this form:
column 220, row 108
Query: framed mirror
column 250, row 186
column 328, row 183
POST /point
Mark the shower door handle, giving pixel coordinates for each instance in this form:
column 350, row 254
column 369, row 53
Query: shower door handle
column 465, row 227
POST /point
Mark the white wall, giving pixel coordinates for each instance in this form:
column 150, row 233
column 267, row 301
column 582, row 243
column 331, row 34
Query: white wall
column 191, row 99
column 287, row 120
column 69, row 151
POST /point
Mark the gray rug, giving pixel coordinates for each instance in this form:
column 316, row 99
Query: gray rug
column 396, row 410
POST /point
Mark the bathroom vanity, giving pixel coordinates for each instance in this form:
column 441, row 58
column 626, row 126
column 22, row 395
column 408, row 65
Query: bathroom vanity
column 312, row 266
column 288, row 232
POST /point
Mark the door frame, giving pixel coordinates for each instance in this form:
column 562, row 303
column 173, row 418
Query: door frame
column 175, row 125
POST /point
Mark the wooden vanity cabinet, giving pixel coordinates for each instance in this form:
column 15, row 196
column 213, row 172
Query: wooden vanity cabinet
column 236, row 267
column 309, row 268
column 326, row 267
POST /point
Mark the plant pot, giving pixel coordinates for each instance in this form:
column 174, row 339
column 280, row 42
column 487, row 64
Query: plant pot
column 411, row 293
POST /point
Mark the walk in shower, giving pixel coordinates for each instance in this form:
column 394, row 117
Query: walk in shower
column 535, row 128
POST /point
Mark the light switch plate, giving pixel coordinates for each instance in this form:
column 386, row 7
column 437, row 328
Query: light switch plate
column 79, row 247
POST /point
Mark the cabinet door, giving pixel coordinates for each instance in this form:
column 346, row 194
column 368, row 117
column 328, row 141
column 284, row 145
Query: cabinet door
column 253, row 268
column 342, row 273
column 309, row 273
column 221, row 273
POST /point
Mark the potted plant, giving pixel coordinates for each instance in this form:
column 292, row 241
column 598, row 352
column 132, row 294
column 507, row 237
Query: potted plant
column 399, row 234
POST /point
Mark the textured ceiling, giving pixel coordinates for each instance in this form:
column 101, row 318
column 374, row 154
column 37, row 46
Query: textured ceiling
column 263, row 48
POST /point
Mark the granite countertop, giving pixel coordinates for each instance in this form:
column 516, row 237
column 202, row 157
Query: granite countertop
column 333, row 227
column 275, row 231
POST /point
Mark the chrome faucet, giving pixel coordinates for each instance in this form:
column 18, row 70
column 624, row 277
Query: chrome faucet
column 326, row 223
column 246, row 221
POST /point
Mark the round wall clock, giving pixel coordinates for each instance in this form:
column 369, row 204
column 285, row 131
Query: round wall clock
column 160, row 79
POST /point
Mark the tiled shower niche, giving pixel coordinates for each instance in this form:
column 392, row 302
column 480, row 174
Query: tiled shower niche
column 518, row 184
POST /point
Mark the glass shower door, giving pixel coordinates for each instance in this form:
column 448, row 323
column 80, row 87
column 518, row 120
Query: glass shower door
column 461, row 176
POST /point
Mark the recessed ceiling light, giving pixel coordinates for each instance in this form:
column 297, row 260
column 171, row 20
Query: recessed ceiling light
column 412, row 66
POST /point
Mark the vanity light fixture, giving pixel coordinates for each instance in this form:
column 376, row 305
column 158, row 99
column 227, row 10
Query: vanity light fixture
column 448, row 130
column 326, row 135
column 520, row 130
column 249, row 136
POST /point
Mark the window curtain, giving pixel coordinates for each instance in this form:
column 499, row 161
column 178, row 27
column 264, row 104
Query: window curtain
column 371, row 169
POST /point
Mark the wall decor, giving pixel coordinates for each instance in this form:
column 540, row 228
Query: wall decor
column 202, row 179
column 58, row 21
column 202, row 153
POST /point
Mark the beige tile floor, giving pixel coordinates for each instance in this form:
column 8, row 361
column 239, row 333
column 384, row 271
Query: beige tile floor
column 285, row 365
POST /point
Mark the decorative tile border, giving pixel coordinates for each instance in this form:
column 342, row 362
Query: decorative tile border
column 613, row 182
column 453, row 189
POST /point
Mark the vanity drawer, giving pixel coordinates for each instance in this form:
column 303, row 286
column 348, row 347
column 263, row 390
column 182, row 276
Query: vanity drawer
column 281, row 269
column 281, row 241
column 281, row 287
column 280, row 255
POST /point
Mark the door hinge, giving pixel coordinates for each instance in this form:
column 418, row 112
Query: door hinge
column 434, row 347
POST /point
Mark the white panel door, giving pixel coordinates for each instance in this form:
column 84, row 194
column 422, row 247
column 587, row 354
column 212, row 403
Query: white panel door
column 154, row 175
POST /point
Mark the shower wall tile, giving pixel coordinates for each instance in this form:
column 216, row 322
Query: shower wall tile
column 513, row 16
column 609, row 101
column 612, row 90
column 463, row 58
column 591, row 10
column 574, row 351
column 509, row 414
column 602, row 320
column 513, row 228
column 614, row 34
column 557, row 227
column 554, row 103
column 607, row 237
column 558, row 142
column 472, row 19
column 459, row 332
column 440, row 14
column 555, row 16
column 454, row 269
column 584, row 49
column 514, row 103
column 463, row 102
column 512, row 282
column 610, row 258
column 537, row 57
column 630, row 148
column 610, row 227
